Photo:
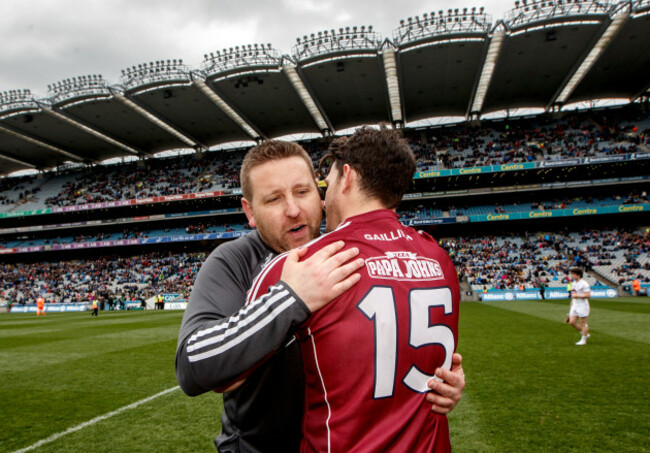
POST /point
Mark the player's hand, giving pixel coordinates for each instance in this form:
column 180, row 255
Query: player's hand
column 323, row 276
column 445, row 395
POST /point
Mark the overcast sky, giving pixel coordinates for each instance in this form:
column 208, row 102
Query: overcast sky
column 44, row 41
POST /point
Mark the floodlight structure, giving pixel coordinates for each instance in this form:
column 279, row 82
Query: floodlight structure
column 431, row 25
column 527, row 12
column 246, row 56
column 154, row 72
column 78, row 87
column 17, row 100
column 640, row 6
column 348, row 39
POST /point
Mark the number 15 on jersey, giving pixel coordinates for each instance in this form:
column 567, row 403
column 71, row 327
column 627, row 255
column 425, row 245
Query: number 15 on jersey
column 378, row 305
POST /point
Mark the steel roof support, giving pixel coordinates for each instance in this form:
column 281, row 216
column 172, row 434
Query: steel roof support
column 17, row 161
column 392, row 83
column 591, row 58
column 306, row 98
column 496, row 43
column 42, row 144
column 155, row 120
column 94, row 132
column 225, row 108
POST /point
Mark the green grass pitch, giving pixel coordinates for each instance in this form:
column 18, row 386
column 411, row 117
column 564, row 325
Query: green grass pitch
column 529, row 388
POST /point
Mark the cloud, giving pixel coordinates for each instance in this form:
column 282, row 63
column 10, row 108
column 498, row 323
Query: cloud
column 52, row 40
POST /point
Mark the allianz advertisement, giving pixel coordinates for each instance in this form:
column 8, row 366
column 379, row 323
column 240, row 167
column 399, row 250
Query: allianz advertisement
column 602, row 292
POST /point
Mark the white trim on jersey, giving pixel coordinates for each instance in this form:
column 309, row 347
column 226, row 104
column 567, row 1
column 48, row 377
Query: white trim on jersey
column 322, row 381
column 253, row 293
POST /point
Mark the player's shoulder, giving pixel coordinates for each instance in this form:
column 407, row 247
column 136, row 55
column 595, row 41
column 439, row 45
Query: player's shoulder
column 269, row 275
column 423, row 235
column 430, row 242
column 342, row 233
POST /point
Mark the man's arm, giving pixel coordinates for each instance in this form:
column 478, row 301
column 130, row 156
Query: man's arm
column 221, row 338
column 216, row 314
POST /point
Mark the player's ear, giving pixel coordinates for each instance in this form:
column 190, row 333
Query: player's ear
column 349, row 174
column 248, row 210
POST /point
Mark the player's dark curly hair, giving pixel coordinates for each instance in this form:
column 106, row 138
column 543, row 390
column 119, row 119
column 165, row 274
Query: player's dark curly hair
column 382, row 158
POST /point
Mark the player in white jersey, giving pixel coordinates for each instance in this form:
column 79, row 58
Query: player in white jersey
column 580, row 293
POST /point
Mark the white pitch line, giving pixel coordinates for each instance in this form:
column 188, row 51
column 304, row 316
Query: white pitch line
column 54, row 437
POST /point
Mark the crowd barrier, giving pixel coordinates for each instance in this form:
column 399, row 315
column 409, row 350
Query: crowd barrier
column 55, row 308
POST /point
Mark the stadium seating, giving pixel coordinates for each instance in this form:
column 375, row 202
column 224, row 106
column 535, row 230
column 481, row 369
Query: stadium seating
column 485, row 262
column 507, row 262
column 500, row 142
column 133, row 278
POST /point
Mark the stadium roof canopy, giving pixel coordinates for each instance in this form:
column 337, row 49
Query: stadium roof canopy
column 544, row 53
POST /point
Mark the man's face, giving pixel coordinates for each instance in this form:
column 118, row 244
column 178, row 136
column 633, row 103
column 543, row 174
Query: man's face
column 285, row 207
column 574, row 277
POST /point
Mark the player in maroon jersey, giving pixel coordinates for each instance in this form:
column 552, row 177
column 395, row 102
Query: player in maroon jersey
column 369, row 354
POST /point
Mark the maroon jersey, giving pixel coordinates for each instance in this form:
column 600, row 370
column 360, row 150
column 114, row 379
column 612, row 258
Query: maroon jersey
column 369, row 354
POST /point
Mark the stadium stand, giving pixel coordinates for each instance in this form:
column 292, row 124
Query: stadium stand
column 594, row 134
column 509, row 196
column 508, row 262
column 111, row 277
column 484, row 262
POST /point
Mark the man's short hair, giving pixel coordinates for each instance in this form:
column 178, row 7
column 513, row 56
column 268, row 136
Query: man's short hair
column 576, row 270
column 383, row 159
column 265, row 152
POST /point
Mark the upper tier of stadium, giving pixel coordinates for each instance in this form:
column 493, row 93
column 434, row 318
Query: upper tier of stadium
column 575, row 135
column 458, row 63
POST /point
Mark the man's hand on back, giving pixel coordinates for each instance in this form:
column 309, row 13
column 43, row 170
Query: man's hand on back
column 447, row 394
column 323, row 276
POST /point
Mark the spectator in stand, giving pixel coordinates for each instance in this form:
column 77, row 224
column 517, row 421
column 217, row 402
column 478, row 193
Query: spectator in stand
column 576, row 135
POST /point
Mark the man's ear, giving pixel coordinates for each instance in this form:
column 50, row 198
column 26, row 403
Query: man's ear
column 248, row 210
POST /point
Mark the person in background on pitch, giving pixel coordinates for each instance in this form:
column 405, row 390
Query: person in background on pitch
column 40, row 306
column 95, row 303
column 580, row 293
column 369, row 355
column 249, row 351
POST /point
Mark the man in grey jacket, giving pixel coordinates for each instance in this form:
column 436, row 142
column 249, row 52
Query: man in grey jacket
column 249, row 351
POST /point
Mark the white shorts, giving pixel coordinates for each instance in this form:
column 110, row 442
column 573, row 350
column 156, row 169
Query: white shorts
column 579, row 309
